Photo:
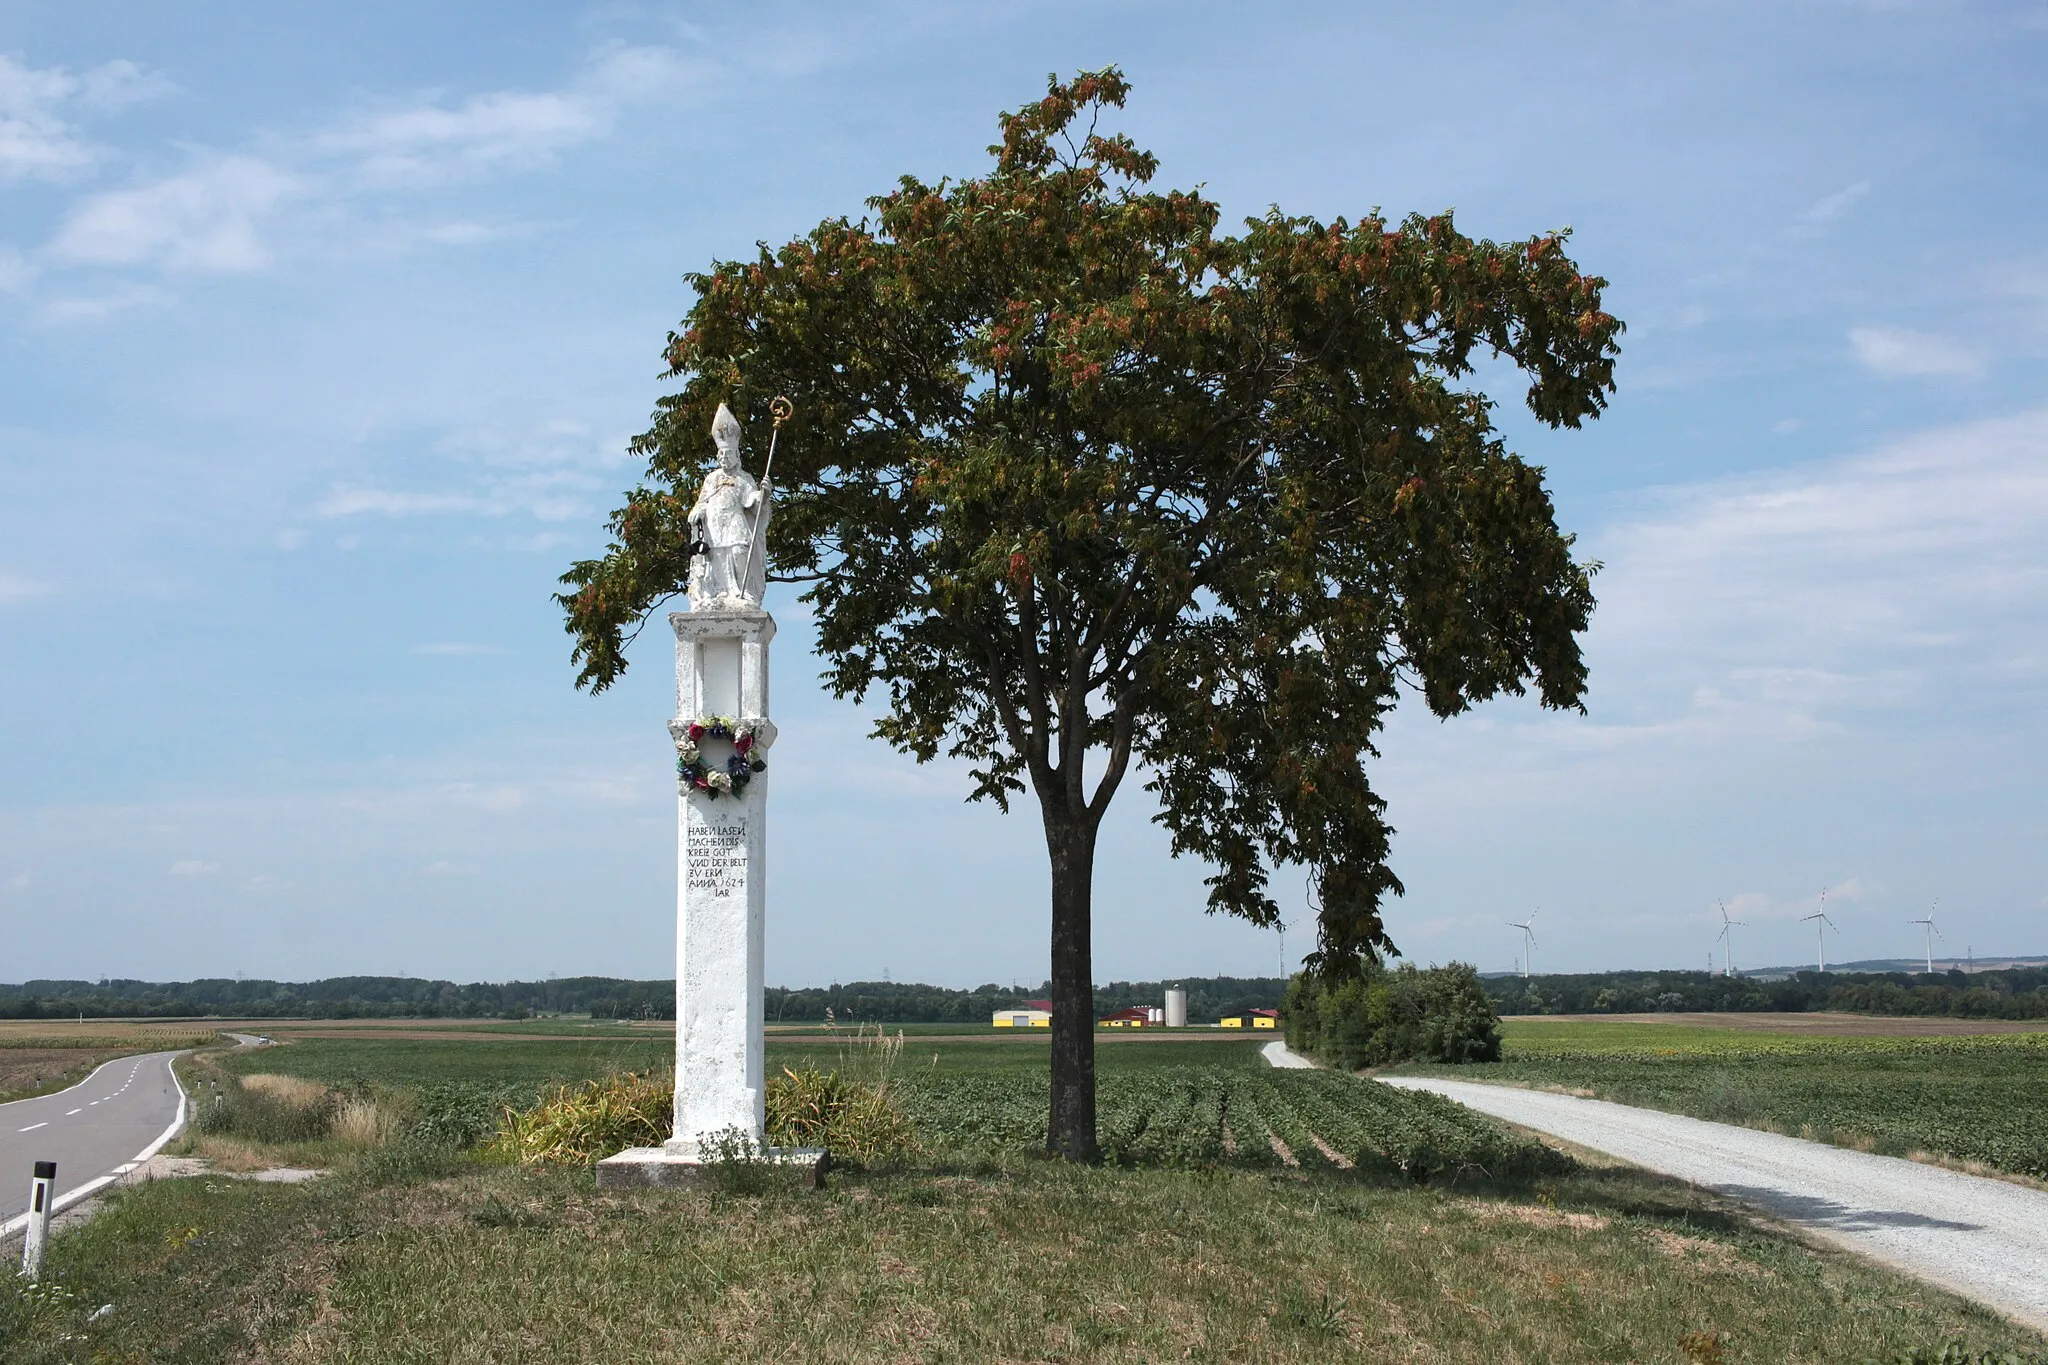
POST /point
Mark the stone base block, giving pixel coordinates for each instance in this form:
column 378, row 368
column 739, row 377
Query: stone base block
column 647, row 1167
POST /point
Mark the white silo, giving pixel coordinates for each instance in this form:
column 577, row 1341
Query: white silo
column 1176, row 1008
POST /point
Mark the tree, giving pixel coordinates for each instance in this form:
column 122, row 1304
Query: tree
column 1078, row 481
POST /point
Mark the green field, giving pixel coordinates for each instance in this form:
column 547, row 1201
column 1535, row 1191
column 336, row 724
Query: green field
column 1203, row 1244
column 1981, row 1098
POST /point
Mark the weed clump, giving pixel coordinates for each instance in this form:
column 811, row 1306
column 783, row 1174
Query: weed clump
column 268, row 1109
column 580, row 1125
column 856, row 1120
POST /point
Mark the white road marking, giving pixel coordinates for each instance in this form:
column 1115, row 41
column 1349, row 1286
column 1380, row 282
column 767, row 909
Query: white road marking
column 33, row 1126
column 69, row 1112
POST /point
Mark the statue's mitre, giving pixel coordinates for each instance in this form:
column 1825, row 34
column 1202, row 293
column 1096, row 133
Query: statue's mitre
column 725, row 429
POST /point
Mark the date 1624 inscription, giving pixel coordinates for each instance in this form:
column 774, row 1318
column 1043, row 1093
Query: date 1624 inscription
column 718, row 858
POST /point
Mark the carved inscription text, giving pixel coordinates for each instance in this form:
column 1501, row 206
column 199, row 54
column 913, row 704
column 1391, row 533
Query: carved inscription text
column 718, row 859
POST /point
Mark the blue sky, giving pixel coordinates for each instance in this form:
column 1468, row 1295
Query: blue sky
column 321, row 336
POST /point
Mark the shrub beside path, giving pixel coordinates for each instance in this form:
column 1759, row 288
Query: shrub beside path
column 1984, row 1239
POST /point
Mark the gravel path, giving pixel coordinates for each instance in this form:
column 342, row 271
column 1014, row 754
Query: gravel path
column 1985, row 1239
column 1276, row 1054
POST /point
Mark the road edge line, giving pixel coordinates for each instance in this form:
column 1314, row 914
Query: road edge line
column 89, row 1078
column 98, row 1183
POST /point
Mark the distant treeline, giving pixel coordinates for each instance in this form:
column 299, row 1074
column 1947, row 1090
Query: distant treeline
column 602, row 997
column 340, row 997
column 2018, row 993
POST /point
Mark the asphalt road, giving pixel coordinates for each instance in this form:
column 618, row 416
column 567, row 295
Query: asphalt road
column 96, row 1131
column 1985, row 1239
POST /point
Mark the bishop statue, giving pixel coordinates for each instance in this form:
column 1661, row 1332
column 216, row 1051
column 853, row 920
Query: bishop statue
column 728, row 528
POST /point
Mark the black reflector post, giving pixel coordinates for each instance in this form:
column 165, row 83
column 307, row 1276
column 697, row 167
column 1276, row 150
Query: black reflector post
column 42, row 1193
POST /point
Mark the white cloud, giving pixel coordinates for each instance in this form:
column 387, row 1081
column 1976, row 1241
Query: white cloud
column 1899, row 351
column 116, row 85
column 349, row 502
column 462, row 233
column 16, row 271
column 1847, row 582
column 88, row 308
column 207, row 219
column 19, row 881
column 1835, row 205
column 430, row 143
column 224, row 212
column 37, row 135
column 192, row 867
column 15, row 588
column 1845, row 605
column 549, row 478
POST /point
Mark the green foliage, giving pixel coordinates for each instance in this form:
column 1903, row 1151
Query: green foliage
column 462, row 1115
column 1075, row 478
column 2013, row 993
column 1194, row 1116
column 257, row 1116
column 1382, row 1016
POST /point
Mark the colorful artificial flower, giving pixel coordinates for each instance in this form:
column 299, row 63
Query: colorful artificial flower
column 740, row 766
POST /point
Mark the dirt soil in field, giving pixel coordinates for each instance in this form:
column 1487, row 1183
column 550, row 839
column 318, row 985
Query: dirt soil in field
column 1819, row 1024
column 29, row 1068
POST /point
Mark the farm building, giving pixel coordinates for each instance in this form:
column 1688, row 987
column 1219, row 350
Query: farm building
column 1030, row 1014
column 1253, row 1019
column 1137, row 1016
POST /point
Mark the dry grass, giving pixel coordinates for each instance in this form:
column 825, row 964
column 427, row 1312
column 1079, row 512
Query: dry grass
column 292, row 1090
column 234, row 1156
column 366, row 1123
column 103, row 1033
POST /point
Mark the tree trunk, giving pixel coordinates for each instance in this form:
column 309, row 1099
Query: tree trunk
column 1070, row 1130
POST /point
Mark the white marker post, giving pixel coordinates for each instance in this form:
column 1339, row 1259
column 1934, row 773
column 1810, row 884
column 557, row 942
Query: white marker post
column 42, row 1194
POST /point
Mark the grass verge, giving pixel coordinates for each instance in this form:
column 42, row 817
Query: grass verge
column 412, row 1256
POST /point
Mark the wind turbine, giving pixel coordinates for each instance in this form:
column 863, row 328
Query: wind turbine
column 1932, row 934
column 1528, row 928
column 1728, row 933
column 1820, row 930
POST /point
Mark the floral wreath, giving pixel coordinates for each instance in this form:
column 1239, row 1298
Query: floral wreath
column 696, row 771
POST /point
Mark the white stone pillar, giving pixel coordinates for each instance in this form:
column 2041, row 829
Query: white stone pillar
column 721, row 903
column 721, row 881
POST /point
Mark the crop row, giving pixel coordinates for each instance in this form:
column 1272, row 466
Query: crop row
column 1197, row 1115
